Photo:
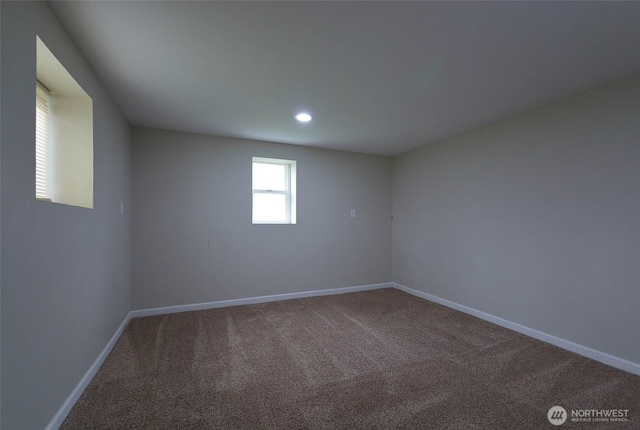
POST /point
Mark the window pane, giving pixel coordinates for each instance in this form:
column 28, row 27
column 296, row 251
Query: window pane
column 269, row 207
column 269, row 177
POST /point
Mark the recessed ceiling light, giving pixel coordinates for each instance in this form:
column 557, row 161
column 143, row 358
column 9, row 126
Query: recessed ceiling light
column 303, row 117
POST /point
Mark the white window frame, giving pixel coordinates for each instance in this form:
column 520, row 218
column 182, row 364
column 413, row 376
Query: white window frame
column 289, row 192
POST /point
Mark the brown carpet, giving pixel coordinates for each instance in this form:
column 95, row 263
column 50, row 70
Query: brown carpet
column 379, row 359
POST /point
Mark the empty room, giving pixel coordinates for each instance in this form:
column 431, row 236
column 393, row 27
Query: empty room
column 319, row 215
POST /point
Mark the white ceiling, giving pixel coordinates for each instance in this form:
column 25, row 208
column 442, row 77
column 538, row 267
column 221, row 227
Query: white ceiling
column 378, row 77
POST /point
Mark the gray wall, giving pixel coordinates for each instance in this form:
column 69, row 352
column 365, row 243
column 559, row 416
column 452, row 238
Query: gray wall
column 193, row 240
column 535, row 219
column 65, row 270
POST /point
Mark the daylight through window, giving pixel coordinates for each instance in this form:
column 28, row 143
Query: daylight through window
column 274, row 191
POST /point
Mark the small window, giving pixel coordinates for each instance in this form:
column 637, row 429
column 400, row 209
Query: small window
column 274, row 191
column 64, row 134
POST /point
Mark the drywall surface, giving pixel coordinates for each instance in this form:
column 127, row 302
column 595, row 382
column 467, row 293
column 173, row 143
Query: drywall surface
column 65, row 270
column 193, row 240
column 534, row 219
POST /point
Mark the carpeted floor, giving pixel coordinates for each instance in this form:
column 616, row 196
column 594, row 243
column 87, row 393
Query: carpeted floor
column 379, row 359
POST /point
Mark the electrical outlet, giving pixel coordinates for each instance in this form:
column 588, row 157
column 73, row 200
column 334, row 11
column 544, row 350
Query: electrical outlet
column 353, row 213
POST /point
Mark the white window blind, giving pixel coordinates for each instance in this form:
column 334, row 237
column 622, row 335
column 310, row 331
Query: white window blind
column 42, row 128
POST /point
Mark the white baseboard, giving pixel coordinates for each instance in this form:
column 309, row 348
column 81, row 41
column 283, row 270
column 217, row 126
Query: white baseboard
column 64, row 410
column 619, row 363
column 254, row 300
